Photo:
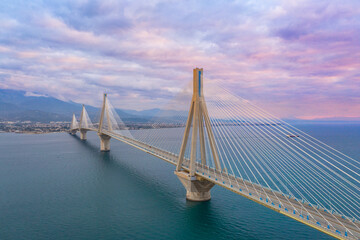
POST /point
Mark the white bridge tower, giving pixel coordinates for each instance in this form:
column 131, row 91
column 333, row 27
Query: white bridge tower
column 104, row 139
column 197, row 188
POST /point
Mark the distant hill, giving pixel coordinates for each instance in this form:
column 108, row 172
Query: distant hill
column 18, row 106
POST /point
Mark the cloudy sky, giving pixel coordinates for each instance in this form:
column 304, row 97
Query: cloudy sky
column 295, row 58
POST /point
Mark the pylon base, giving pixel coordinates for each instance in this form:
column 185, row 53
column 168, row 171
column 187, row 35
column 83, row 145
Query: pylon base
column 72, row 132
column 197, row 188
column 104, row 142
column 83, row 134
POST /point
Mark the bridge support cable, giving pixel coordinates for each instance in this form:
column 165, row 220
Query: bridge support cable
column 250, row 148
column 310, row 142
column 265, row 156
column 229, row 136
column 291, row 129
column 321, row 189
column 329, row 181
column 317, row 155
column 335, row 181
column 211, row 165
column 217, row 124
column 164, row 128
column 224, row 156
column 223, row 148
column 212, row 142
column 163, row 133
column 308, row 214
column 251, row 144
column 330, row 196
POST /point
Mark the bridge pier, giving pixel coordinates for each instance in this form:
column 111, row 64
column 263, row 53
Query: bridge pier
column 72, row 132
column 83, row 134
column 104, row 142
column 197, row 188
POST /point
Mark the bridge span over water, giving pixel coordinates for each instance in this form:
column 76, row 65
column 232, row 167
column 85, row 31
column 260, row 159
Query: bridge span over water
column 230, row 142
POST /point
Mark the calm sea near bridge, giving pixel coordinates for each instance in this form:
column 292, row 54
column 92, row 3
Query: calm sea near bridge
column 54, row 186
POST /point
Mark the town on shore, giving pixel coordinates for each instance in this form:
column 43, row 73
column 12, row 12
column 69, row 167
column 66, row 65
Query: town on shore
column 29, row 127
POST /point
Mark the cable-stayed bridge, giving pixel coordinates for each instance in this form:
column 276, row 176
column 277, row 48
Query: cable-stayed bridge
column 229, row 142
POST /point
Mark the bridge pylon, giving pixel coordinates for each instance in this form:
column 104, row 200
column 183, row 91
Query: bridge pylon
column 74, row 125
column 198, row 189
column 81, row 127
column 104, row 139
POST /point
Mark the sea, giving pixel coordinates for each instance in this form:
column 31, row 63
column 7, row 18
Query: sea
column 55, row 186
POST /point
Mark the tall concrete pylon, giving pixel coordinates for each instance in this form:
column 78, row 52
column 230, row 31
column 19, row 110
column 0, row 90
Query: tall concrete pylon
column 81, row 129
column 197, row 188
column 104, row 139
column 74, row 125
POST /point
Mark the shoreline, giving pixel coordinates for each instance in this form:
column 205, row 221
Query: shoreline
column 33, row 133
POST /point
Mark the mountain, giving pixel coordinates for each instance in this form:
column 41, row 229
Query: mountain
column 19, row 106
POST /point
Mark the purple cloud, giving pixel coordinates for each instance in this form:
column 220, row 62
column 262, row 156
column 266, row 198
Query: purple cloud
column 283, row 55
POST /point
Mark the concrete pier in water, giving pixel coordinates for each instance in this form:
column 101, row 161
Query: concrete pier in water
column 197, row 188
column 83, row 134
column 104, row 142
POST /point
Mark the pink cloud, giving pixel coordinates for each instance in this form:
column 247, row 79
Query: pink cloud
column 283, row 55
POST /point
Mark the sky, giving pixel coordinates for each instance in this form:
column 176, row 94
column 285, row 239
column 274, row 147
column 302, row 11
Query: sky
column 294, row 58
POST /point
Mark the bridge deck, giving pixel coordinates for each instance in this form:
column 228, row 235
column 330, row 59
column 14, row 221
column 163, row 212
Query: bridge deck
column 318, row 218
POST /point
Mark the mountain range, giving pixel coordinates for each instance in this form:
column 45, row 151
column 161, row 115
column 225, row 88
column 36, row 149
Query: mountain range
column 17, row 105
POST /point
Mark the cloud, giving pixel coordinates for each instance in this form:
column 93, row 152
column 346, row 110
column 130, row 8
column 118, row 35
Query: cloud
column 31, row 94
column 294, row 58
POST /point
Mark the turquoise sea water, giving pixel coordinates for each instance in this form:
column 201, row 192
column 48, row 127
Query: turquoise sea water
column 55, row 186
